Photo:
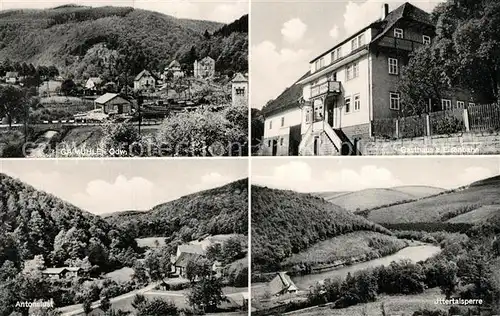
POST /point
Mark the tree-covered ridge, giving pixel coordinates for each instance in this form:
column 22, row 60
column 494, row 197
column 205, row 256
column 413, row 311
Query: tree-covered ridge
column 37, row 223
column 287, row 222
column 223, row 210
column 140, row 39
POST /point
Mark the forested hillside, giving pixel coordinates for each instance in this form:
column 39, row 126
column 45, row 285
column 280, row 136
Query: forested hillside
column 33, row 223
column 222, row 210
column 287, row 222
column 112, row 41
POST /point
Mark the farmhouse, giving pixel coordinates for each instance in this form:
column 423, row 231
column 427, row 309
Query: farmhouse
column 93, row 84
column 112, row 103
column 205, row 68
column 183, row 260
column 11, row 77
column 61, row 273
column 239, row 90
column 282, row 284
column 175, row 69
column 144, row 81
column 332, row 106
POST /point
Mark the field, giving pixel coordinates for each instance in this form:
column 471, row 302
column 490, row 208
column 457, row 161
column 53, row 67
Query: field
column 437, row 208
column 347, row 246
column 372, row 198
column 481, row 215
column 151, row 242
column 394, row 305
column 121, row 275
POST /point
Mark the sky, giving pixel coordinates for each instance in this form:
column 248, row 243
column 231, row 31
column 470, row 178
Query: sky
column 220, row 11
column 287, row 34
column 103, row 186
column 348, row 174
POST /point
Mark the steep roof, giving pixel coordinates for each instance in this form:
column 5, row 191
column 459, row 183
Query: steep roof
column 239, row 78
column 174, row 63
column 54, row 270
column 282, row 283
column 142, row 74
column 106, row 98
column 185, row 258
column 288, row 99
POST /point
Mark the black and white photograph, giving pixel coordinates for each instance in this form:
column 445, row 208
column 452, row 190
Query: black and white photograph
column 414, row 236
column 122, row 78
column 150, row 237
column 375, row 77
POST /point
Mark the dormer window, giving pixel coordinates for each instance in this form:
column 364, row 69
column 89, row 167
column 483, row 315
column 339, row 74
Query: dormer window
column 398, row 33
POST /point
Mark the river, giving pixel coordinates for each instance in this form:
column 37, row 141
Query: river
column 413, row 253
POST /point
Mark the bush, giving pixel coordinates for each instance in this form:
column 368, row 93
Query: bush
column 447, row 125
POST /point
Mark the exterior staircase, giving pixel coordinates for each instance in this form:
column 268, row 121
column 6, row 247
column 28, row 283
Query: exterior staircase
column 342, row 145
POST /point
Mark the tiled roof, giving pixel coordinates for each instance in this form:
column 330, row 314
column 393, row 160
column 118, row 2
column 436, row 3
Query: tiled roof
column 106, row 98
column 288, row 99
column 239, row 78
column 281, row 283
column 142, row 74
column 185, row 258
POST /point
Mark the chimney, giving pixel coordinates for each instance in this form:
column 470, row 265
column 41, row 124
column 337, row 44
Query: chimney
column 385, row 10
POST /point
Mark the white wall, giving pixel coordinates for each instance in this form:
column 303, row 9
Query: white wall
column 292, row 117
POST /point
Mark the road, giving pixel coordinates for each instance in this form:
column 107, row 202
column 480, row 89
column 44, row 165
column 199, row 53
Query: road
column 78, row 309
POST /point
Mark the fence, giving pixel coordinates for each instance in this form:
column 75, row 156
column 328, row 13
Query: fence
column 476, row 118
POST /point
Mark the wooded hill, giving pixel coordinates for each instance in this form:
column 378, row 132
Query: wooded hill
column 109, row 41
column 223, row 210
column 33, row 222
column 287, row 222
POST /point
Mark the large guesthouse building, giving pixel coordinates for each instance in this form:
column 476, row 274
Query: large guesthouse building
column 331, row 107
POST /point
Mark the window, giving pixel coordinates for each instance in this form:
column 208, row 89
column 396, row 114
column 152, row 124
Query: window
column 308, row 116
column 472, row 103
column 281, row 141
column 347, row 105
column 270, row 124
column 316, row 65
column 282, row 121
column 333, row 77
column 354, row 44
column 460, row 105
column 361, row 40
column 318, row 112
column 393, row 66
column 321, row 62
column 357, row 102
column 446, row 104
column 336, row 54
column 426, row 39
column 398, row 33
column 394, row 101
column 352, row 71
column 240, row 91
column 268, row 143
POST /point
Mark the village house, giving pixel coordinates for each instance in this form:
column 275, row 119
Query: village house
column 239, row 90
column 145, row 80
column 112, row 103
column 182, row 262
column 175, row 69
column 12, row 77
column 61, row 273
column 282, row 284
column 93, row 84
column 332, row 107
column 205, row 68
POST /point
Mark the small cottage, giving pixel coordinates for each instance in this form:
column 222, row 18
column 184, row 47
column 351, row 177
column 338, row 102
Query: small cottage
column 93, row 84
column 182, row 262
column 282, row 284
column 145, row 80
column 61, row 273
column 112, row 103
column 11, row 77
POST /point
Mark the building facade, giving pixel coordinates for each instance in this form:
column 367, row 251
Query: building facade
column 174, row 68
column 204, row 69
column 330, row 109
column 112, row 103
column 144, row 81
column 239, row 90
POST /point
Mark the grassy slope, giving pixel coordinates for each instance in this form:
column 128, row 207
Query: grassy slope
column 484, row 214
column 434, row 208
column 287, row 222
column 371, row 198
column 350, row 245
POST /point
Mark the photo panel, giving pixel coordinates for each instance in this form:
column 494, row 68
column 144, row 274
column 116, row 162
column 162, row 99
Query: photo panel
column 375, row 236
column 124, row 237
column 370, row 78
column 123, row 78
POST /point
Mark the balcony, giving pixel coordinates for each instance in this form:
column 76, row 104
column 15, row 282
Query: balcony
column 399, row 43
column 333, row 87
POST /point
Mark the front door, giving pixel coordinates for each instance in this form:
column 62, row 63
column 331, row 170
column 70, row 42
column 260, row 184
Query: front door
column 330, row 112
column 316, row 146
column 275, row 147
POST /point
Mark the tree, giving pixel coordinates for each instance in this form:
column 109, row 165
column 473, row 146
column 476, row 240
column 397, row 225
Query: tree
column 120, row 136
column 87, row 306
column 233, row 249
column 12, row 100
column 67, row 87
column 52, row 71
column 200, row 268
column 138, row 301
column 206, row 294
column 157, row 307
column 105, row 304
